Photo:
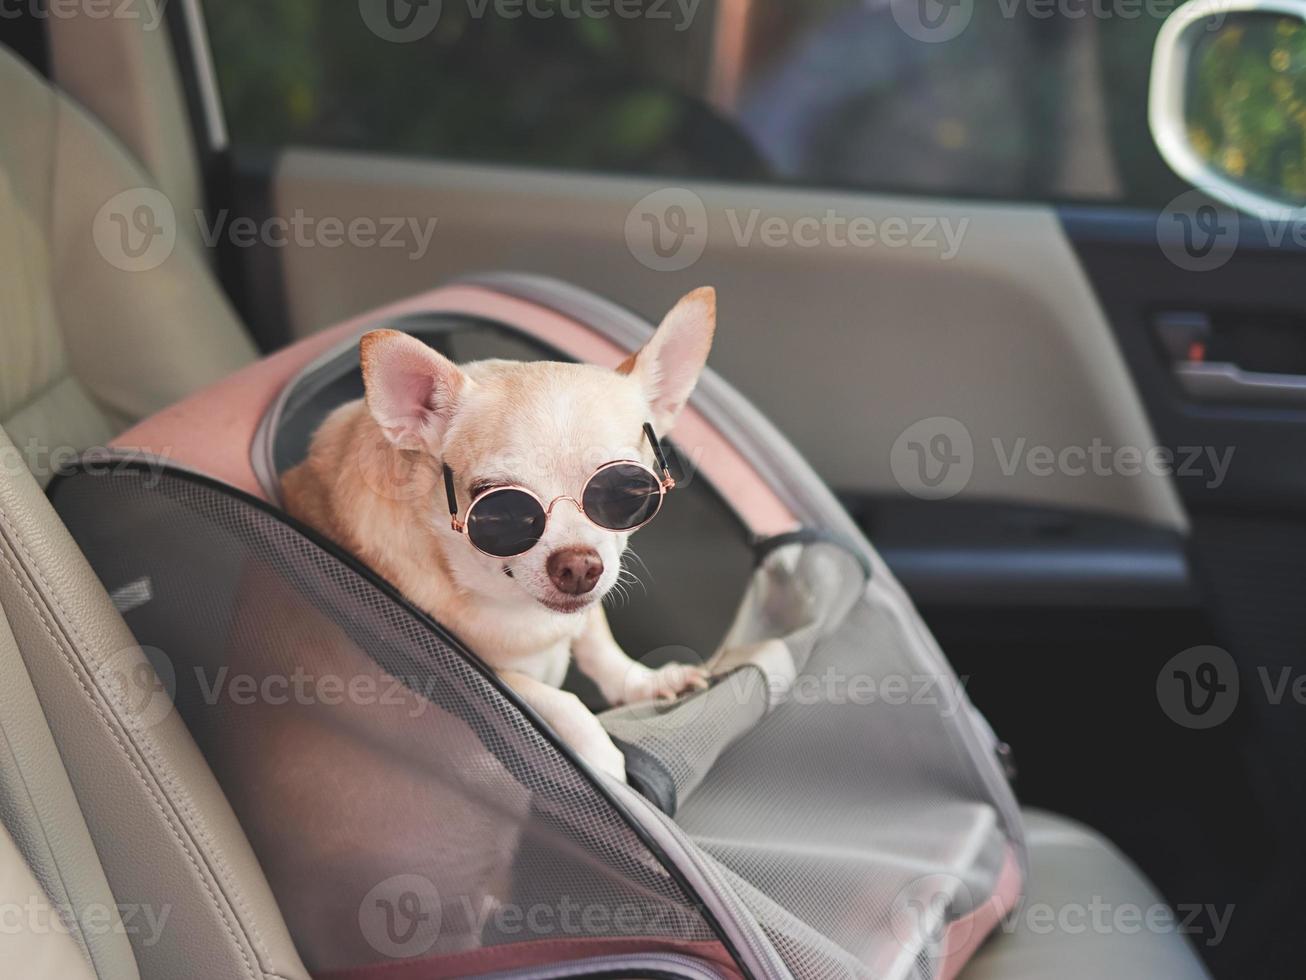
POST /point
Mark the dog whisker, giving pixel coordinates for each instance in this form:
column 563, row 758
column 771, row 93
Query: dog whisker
column 632, row 553
column 619, row 594
column 628, row 576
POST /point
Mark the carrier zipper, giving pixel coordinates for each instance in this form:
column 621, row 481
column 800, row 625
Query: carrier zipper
column 1006, row 759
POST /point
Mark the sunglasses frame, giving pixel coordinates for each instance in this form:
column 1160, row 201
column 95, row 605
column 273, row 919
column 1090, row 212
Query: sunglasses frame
column 664, row 483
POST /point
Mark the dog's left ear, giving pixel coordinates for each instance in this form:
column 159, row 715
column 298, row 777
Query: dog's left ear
column 670, row 363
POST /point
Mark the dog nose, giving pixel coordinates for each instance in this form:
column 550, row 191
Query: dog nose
column 575, row 571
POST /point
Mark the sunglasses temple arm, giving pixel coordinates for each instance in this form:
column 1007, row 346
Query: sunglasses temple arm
column 452, row 494
column 667, row 480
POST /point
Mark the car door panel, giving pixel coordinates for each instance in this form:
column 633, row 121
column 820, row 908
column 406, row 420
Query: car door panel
column 1004, row 335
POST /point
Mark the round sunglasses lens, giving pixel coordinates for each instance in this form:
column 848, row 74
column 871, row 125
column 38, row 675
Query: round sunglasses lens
column 505, row 523
column 622, row 496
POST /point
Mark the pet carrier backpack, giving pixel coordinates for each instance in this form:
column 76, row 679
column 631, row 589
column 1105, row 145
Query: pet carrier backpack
column 832, row 806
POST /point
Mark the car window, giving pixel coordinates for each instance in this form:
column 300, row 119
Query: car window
column 1017, row 99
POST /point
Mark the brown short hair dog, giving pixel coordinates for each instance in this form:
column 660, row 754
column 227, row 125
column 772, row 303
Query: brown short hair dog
column 374, row 482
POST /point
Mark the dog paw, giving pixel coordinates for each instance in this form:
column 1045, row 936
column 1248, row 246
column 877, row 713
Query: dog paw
column 604, row 756
column 663, row 684
column 583, row 732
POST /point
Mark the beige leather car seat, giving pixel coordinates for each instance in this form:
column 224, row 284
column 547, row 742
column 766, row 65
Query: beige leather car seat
column 117, row 823
column 105, row 813
column 32, row 933
column 89, row 347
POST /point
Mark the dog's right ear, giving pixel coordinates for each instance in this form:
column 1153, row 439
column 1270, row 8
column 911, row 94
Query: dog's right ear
column 412, row 390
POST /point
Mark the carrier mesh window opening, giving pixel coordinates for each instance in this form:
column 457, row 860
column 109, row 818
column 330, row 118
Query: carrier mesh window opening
column 830, row 808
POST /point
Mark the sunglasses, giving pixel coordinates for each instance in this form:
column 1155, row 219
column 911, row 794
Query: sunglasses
column 507, row 521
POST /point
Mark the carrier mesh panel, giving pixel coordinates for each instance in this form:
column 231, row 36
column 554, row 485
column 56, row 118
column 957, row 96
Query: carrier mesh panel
column 798, row 597
column 399, row 803
column 827, row 777
column 830, row 802
column 850, row 820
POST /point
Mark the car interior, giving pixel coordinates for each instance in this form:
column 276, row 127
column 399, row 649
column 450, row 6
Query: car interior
column 1113, row 567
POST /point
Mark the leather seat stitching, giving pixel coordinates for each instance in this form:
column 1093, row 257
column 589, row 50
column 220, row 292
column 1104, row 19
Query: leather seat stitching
column 51, row 856
column 71, row 659
column 179, row 796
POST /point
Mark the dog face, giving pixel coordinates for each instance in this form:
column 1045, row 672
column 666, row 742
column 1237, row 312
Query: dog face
column 544, row 426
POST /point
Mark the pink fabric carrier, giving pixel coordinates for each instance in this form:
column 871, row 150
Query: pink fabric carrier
column 813, row 814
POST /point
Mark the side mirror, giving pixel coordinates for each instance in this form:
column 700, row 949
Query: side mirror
column 1228, row 101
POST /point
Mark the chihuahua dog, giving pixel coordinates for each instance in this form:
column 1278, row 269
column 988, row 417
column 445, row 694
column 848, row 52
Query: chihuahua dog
column 499, row 497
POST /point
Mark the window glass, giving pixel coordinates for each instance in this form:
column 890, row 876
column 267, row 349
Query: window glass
column 1024, row 99
column 1246, row 102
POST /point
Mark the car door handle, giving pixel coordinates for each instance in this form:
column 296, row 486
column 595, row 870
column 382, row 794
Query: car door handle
column 1222, row 382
